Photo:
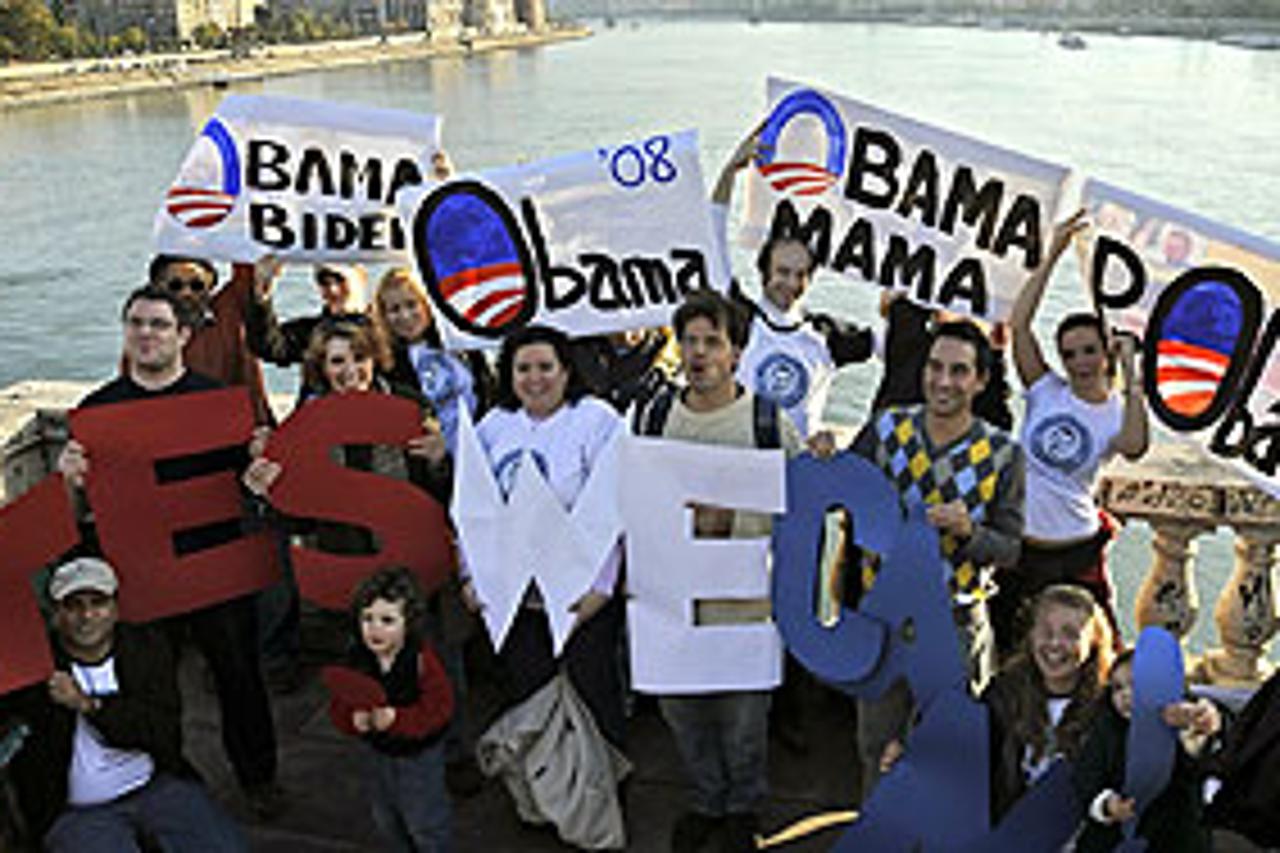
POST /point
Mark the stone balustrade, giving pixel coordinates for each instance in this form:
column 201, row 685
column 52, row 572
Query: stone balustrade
column 1182, row 496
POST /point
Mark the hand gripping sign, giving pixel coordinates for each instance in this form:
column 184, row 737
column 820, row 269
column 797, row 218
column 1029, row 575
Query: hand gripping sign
column 672, row 577
column 937, row 797
column 1205, row 301
column 164, row 486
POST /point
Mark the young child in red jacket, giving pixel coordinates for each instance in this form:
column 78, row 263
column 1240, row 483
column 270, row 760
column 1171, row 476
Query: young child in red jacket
column 398, row 701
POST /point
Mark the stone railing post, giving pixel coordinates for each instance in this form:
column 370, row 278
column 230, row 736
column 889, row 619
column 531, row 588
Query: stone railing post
column 1167, row 596
column 1178, row 512
column 1245, row 614
column 1182, row 496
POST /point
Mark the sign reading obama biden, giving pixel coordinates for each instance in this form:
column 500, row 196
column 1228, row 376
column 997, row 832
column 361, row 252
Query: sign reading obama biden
column 589, row 243
column 302, row 180
column 946, row 219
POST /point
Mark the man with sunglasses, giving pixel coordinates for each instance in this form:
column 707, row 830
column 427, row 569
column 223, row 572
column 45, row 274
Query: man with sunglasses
column 217, row 347
column 158, row 330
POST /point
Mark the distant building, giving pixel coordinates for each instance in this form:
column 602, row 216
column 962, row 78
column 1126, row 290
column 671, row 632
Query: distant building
column 164, row 21
column 491, row 17
column 532, row 13
column 444, row 19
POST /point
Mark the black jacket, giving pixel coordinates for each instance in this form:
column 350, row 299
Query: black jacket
column 1249, row 767
column 146, row 715
column 1008, row 743
column 1172, row 823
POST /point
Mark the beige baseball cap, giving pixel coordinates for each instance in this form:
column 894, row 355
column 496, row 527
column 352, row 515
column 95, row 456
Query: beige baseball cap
column 82, row 573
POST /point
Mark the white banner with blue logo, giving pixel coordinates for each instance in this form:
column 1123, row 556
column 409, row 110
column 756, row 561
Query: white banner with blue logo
column 590, row 243
column 1204, row 300
column 302, row 180
column 947, row 219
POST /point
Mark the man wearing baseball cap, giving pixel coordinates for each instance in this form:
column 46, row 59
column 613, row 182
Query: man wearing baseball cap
column 103, row 766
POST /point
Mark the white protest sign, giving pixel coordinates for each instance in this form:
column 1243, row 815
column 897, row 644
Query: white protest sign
column 530, row 537
column 950, row 220
column 303, row 180
column 1205, row 301
column 589, row 243
column 669, row 572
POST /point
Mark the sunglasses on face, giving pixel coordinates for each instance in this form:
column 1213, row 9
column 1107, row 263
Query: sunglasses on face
column 177, row 285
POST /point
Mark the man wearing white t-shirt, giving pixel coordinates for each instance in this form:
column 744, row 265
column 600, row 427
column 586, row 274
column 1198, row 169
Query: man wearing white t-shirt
column 791, row 354
column 103, row 769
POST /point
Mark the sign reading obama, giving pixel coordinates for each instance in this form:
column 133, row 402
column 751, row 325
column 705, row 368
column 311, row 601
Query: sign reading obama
column 303, row 180
column 1205, row 301
column 589, row 243
column 949, row 220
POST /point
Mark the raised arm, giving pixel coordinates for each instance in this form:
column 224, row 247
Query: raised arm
column 1135, row 430
column 748, row 149
column 1027, row 355
column 263, row 333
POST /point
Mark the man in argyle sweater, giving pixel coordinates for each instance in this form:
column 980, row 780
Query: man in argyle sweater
column 970, row 477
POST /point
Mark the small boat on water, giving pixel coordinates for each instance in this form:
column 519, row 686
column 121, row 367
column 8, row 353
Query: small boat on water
column 1252, row 41
column 1071, row 41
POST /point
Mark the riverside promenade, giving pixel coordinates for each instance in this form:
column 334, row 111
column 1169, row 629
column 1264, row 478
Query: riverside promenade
column 41, row 84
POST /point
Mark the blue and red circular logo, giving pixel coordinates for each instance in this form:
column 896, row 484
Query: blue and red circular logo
column 203, row 196
column 1198, row 339
column 473, row 261
column 802, row 177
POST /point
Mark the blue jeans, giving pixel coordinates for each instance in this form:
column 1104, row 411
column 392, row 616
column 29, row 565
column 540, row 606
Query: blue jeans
column 723, row 740
column 410, row 804
column 172, row 813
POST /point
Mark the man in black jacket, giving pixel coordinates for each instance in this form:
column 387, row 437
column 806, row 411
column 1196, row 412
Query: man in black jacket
column 103, row 768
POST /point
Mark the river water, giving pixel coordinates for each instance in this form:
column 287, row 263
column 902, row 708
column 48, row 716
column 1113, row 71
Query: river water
column 1192, row 123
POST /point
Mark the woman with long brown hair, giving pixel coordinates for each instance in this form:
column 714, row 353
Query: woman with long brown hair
column 1043, row 701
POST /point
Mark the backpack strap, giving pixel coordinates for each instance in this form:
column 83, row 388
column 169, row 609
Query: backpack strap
column 652, row 418
column 764, row 422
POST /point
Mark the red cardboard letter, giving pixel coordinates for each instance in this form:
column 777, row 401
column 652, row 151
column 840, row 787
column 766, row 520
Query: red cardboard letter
column 141, row 518
column 408, row 523
column 34, row 530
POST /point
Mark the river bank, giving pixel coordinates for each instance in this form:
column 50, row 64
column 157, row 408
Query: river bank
column 40, row 84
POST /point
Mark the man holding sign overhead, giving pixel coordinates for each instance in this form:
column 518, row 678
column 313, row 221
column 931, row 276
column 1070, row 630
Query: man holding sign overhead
column 791, row 355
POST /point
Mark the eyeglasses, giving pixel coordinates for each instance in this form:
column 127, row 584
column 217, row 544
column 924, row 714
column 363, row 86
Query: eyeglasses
column 177, row 285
